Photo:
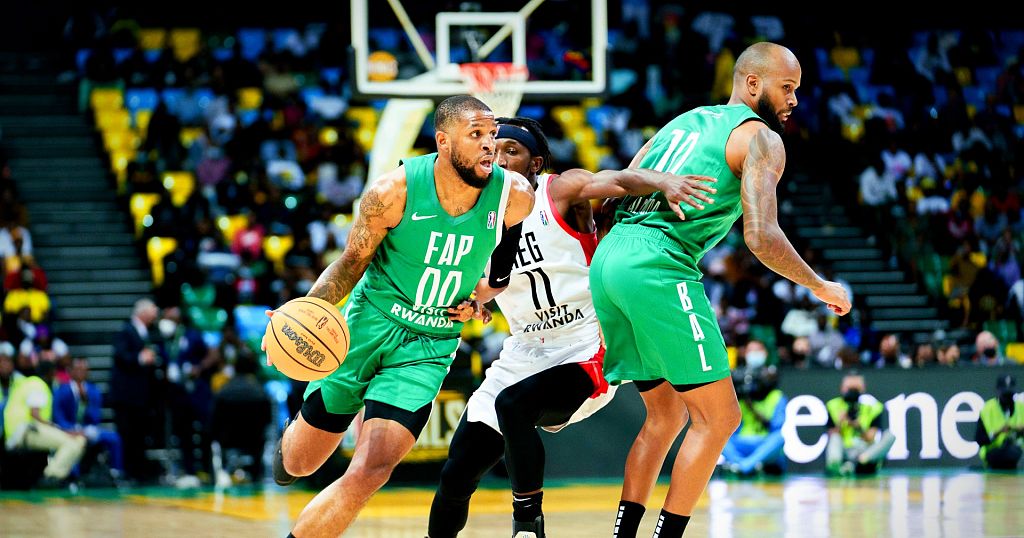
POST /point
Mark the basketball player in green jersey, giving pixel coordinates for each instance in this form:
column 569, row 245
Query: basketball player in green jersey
column 423, row 236
column 659, row 327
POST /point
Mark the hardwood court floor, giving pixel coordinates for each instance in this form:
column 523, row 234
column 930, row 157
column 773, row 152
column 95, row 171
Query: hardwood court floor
column 899, row 505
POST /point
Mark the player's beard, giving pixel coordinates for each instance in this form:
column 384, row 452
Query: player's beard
column 769, row 115
column 467, row 171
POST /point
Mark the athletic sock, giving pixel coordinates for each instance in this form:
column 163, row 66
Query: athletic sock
column 627, row 521
column 527, row 508
column 670, row 525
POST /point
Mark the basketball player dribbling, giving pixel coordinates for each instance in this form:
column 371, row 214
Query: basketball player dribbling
column 423, row 236
column 549, row 371
column 659, row 328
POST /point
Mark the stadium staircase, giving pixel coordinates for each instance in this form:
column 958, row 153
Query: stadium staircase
column 888, row 297
column 81, row 235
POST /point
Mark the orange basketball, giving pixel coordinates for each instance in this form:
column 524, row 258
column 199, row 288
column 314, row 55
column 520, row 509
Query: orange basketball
column 307, row 339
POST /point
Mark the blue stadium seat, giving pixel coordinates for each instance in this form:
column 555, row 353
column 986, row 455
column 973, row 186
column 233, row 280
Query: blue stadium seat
column 223, row 54
column 385, row 38
column 170, row 98
column 152, row 56
column 536, row 112
column 141, row 98
column 120, row 55
column 251, row 320
column 310, row 93
column 331, row 75
column 252, row 41
column 81, row 57
column 282, row 36
column 974, row 95
column 986, row 77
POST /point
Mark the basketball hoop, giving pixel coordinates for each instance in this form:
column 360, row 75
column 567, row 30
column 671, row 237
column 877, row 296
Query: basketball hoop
column 499, row 85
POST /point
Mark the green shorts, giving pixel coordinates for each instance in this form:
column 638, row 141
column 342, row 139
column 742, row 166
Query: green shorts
column 656, row 323
column 386, row 363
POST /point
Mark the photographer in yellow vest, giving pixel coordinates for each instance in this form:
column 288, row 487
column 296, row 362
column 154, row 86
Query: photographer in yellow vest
column 757, row 445
column 857, row 436
column 1000, row 431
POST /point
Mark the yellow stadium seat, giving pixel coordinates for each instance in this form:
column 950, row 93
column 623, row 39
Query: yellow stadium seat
column 569, row 116
column 365, row 116
column 141, row 205
column 185, row 42
column 115, row 119
column 157, row 248
column 963, row 76
column 106, row 99
column 590, row 156
column 120, row 140
column 142, row 116
column 845, row 57
column 189, row 135
column 328, row 136
column 582, row 136
column 1015, row 351
column 1018, row 113
column 230, row 225
column 365, row 136
column 732, row 353
column 249, row 98
column 119, row 160
column 276, row 247
column 180, row 185
column 152, row 38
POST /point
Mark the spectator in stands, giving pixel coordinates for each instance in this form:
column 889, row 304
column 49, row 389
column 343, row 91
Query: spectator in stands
column 163, row 136
column 15, row 267
column 949, row 355
column 8, row 378
column 986, row 350
column 189, row 367
column 28, row 425
column 757, row 444
column 891, row 354
column 134, row 386
column 1000, row 432
column 924, row 356
column 825, row 341
column 249, row 239
column 30, row 297
column 76, row 408
column 857, row 436
column 241, row 415
column 15, row 241
column 47, row 347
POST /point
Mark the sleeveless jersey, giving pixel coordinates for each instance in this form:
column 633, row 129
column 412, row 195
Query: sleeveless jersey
column 548, row 294
column 432, row 260
column 692, row 143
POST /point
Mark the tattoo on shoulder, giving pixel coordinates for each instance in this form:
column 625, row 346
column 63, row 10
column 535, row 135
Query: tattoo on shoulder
column 372, row 205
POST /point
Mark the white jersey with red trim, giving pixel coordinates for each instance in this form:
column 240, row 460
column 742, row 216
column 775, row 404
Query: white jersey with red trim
column 548, row 299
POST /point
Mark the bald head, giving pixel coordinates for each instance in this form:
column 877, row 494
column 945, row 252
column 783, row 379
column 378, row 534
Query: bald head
column 764, row 59
column 765, row 78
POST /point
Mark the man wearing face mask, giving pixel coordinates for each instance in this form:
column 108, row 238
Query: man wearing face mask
column 857, row 437
column 986, row 346
column 1000, row 432
column 757, row 444
column 189, row 368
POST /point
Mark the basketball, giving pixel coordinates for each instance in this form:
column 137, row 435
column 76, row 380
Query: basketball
column 307, row 339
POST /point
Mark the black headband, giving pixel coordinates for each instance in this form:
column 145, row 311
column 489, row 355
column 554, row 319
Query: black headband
column 520, row 135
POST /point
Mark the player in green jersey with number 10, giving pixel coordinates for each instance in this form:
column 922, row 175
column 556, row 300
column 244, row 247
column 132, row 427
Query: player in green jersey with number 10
column 659, row 327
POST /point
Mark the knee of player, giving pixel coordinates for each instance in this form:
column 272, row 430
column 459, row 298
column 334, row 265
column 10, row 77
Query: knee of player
column 727, row 420
column 374, row 473
column 296, row 465
column 507, row 404
column 665, row 422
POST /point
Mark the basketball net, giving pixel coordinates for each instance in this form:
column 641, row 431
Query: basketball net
column 498, row 85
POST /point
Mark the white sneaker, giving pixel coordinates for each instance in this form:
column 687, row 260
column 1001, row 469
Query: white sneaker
column 525, row 534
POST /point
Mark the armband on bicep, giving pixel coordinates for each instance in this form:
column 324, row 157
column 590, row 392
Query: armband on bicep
column 503, row 257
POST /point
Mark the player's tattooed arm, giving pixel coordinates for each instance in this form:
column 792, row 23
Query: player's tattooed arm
column 762, row 170
column 380, row 210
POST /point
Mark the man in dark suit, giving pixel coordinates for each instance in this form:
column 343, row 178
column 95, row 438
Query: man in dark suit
column 135, row 389
column 76, row 407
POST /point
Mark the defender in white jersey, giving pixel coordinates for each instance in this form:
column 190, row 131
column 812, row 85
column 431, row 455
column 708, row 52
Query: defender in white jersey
column 549, row 371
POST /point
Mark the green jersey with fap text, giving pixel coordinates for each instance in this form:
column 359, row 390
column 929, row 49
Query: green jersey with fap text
column 692, row 143
column 432, row 260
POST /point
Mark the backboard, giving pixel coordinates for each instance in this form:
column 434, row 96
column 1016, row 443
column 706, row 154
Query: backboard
column 407, row 48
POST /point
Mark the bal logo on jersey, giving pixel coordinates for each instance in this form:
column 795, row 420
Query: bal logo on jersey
column 492, row 218
column 544, row 218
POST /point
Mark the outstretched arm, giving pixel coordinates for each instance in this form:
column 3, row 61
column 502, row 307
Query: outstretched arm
column 381, row 209
column 762, row 170
column 577, row 185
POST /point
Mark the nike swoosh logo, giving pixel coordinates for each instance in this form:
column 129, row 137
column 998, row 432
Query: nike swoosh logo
column 501, row 279
column 422, row 217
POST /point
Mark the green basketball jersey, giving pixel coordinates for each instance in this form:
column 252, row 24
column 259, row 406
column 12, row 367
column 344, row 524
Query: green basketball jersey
column 692, row 143
column 432, row 260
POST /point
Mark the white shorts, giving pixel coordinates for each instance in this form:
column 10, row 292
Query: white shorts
column 518, row 361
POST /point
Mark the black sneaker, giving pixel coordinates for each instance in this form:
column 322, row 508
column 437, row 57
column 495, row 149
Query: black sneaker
column 281, row 476
column 533, row 529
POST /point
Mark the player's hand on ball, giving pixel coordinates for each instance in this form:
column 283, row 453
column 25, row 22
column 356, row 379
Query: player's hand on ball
column 688, row 189
column 834, row 295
